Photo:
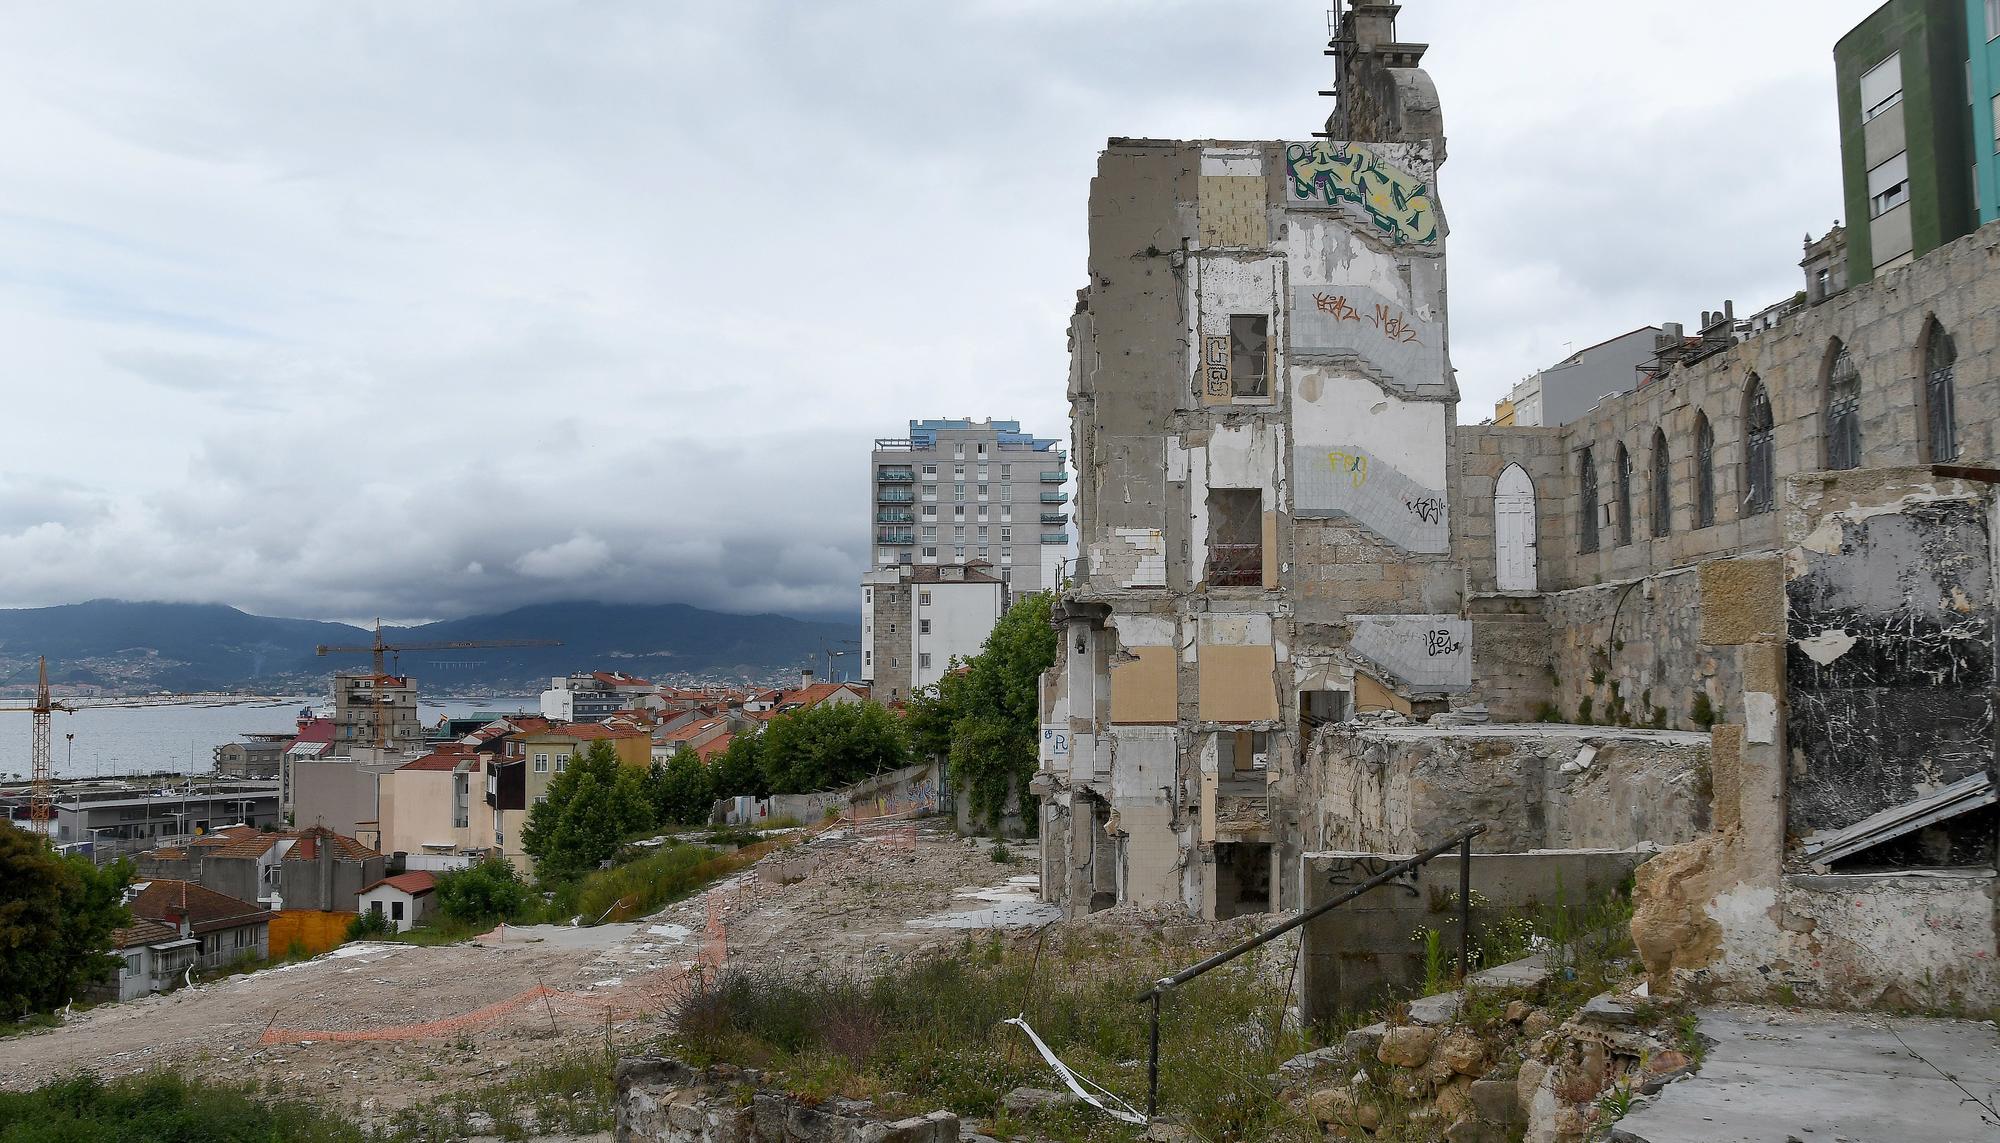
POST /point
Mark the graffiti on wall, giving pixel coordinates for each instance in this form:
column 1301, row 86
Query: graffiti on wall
column 1397, row 202
column 1392, row 322
column 1350, row 481
column 1427, row 652
column 1402, row 345
column 1347, row 872
column 1215, row 365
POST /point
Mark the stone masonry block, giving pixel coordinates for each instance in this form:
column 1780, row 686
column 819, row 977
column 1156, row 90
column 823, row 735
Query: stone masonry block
column 1743, row 601
column 1725, row 760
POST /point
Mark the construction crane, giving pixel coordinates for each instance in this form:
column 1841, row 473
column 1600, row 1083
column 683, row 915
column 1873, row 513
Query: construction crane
column 41, row 801
column 378, row 649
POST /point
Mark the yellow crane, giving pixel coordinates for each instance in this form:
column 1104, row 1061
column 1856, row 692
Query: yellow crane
column 378, row 649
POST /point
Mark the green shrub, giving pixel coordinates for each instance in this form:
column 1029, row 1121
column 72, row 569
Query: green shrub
column 644, row 886
column 161, row 1106
column 484, row 894
column 369, row 925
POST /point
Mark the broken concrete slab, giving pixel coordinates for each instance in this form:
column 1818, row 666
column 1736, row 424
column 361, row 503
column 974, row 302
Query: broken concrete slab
column 1774, row 1074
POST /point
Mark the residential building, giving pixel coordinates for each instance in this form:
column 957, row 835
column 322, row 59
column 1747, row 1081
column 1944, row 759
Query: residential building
column 1571, row 387
column 519, row 776
column 314, row 869
column 227, row 928
column 915, row 619
column 707, row 737
column 1982, row 25
column 153, row 956
column 955, row 491
column 588, row 697
column 253, row 755
column 375, row 713
column 427, row 809
column 403, row 900
column 1907, row 147
column 313, row 741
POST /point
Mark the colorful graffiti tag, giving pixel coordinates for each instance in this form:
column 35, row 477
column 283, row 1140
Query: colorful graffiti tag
column 1399, row 204
column 1354, row 464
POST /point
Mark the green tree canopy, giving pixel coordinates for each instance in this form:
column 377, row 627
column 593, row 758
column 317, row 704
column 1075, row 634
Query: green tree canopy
column 826, row 746
column 683, row 789
column 56, row 919
column 739, row 769
column 591, row 807
column 985, row 718
column 484, row 894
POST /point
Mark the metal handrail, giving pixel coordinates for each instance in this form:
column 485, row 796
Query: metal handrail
column 1461, row 841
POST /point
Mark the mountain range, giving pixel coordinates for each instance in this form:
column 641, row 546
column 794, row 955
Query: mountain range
column 135, row 647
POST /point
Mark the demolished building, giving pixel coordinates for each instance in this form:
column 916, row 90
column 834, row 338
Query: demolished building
column 1748, row 601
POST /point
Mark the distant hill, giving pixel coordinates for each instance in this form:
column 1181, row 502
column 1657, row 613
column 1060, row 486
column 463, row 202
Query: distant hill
column 182, row 646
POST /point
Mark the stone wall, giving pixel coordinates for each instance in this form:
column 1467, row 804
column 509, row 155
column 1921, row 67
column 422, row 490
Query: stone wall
column 1401, row 788
column 666, row 1101
column 1634, row 650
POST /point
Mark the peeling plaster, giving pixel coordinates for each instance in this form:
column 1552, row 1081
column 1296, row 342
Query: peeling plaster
column 1827, row 646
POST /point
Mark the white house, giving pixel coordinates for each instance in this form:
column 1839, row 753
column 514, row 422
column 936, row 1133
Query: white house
column 403, row 899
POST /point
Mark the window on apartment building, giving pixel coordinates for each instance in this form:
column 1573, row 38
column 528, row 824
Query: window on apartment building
column 1992, row 20
column 562, row 763
column 1006, row 471
column 923, row 599
column 923, row 626
column 1006, row 555
column 958, row 451
column 1006, row 535
column 1250, row 355
column 930, row 553
column 930, row 470
column 541, row 763
column 1882, row 87
column 1843, row 408
column 924, row 659
column 958, row 472
column 1663, row 489
column 982, row 491
column 958, row 531
column 1624, row 496
column 958, row 494
column 958, row 554
column 1242, row 751
column 1006, row 575
column 1586, row 483
column 982, row 533
column 1006, row 491
column 1235, row 537
column 1758, row 431
column 1704, row 472
column 1889, row 185
column 930, row 510
column 982, row 472
column 903, row 557
column 1940, row 391
column 982, row 511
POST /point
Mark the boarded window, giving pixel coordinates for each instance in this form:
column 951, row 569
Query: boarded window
column 1704, row 472
column 1236, row 537
column 1586, row 481
column 1143, row 687
column 1663, row 489
column 1237, row 683
column 1757, row 432
column 1940, row 393
column 1250, row 355
column 1843, row 410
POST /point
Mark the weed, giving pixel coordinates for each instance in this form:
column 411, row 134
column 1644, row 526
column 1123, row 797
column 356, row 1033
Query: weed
column 1583, row 706
column 1002, row 855
column 1702, row 712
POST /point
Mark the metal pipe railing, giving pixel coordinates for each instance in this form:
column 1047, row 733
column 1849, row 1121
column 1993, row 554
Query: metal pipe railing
column 1461, row 841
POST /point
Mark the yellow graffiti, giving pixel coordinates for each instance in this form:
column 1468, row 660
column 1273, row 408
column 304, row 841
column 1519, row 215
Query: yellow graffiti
column 1398, row 203
column 1355, row 465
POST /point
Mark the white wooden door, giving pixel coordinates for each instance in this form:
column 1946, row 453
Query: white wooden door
column 1514, row 529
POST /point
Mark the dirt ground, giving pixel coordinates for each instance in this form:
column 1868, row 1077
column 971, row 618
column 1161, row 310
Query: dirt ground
column 441, row 1020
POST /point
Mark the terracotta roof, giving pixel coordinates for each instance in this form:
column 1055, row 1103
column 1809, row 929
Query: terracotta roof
column 206, row 909
column 143, row 932
column 416, row 882
column 306, row 847
column 693, row 729
column 708, row 750
column 588, row 732
column 618, row 679
column 818, row 693
column 446, row 758
column 314, row 730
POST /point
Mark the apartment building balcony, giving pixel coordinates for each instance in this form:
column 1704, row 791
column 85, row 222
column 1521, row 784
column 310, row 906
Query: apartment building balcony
column 1054, row 477
column 1055, row 497
column 895, row 539
column 1055, row 517
column 895, row 496
column 895, row 516
column 894, row 475
column 1055, row 537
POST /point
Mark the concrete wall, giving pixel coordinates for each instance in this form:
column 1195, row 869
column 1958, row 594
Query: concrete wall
column 1400, row 788
column 1363, row 950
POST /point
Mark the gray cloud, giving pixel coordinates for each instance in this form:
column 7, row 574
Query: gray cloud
column 346, row 309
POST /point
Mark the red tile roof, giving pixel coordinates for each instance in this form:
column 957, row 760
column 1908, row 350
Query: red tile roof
column 618, row 679
column 446, row 758
column 416, row 882
column 707, row 751
column 206, row 909
column 693, row 729
column 143, row 932
column 589, row 732
column 314, row 730
column 305, row 848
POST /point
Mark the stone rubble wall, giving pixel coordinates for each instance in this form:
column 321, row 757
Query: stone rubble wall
column 666, row 1101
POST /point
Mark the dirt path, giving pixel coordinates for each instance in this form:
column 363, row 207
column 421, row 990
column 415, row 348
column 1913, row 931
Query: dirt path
column 379, row 1027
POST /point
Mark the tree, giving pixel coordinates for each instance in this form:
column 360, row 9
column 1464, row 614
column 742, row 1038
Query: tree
column 591, row 807
column 739, row 770
column 683, row 789
column 56, row 919
column 483, row 894
column 993, row 707
column 826, row 746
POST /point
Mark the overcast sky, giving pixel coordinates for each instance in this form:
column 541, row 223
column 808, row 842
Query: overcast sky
column 419, row 309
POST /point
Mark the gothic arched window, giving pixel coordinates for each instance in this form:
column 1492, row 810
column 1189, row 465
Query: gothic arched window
column 1843, row 410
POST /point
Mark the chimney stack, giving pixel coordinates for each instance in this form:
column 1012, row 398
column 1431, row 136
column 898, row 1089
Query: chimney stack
column 805, row 677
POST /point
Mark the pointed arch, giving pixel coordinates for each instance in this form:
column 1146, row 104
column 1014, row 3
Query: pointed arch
column 1514, row 529
column 1940, row 395
column 1758, row 430
column 1586, row 484
column 1661, row 486
column 1624, row 477
column 1841, row 407
column 1704, row 471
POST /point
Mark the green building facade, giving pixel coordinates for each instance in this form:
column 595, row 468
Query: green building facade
column 1905, row 132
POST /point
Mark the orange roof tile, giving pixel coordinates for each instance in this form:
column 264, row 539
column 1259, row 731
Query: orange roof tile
column 416, row 882
column 206, row 909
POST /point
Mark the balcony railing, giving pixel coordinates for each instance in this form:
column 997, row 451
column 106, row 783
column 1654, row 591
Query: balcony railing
column 1055, row 497
column 1054, row 477
column 895, row 475
column 895, row 516
column 895, row 538
column 1236, row 565
column 895, row 496
column 1055, row 517
column 1055, row 537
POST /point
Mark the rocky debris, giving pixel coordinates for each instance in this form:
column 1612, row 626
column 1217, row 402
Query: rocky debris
column 1407, row 1046
column 1028, row 1100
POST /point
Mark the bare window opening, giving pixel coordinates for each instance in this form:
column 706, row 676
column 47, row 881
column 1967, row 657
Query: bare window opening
column 1242, row 752
column 1704, row 472
column 1242, row 879
column 1952, row 827
column 1320, row 708
column 1624, row 496
column 1236, row 537
column 1250, row 355
column 1663, row 489
column 1586, row 480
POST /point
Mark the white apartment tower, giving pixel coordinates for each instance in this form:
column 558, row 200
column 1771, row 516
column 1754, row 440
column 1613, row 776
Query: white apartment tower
column 965, row 491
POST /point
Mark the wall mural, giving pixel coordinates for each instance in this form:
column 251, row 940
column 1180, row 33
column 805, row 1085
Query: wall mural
column 1346, row 480
column 1429, row 652
column 1397, row 202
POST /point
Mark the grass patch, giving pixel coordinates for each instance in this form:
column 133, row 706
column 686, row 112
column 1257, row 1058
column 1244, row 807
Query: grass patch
column 570, row 1094
column 929, row 1035
column 162, row 1106
column 640, row 887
